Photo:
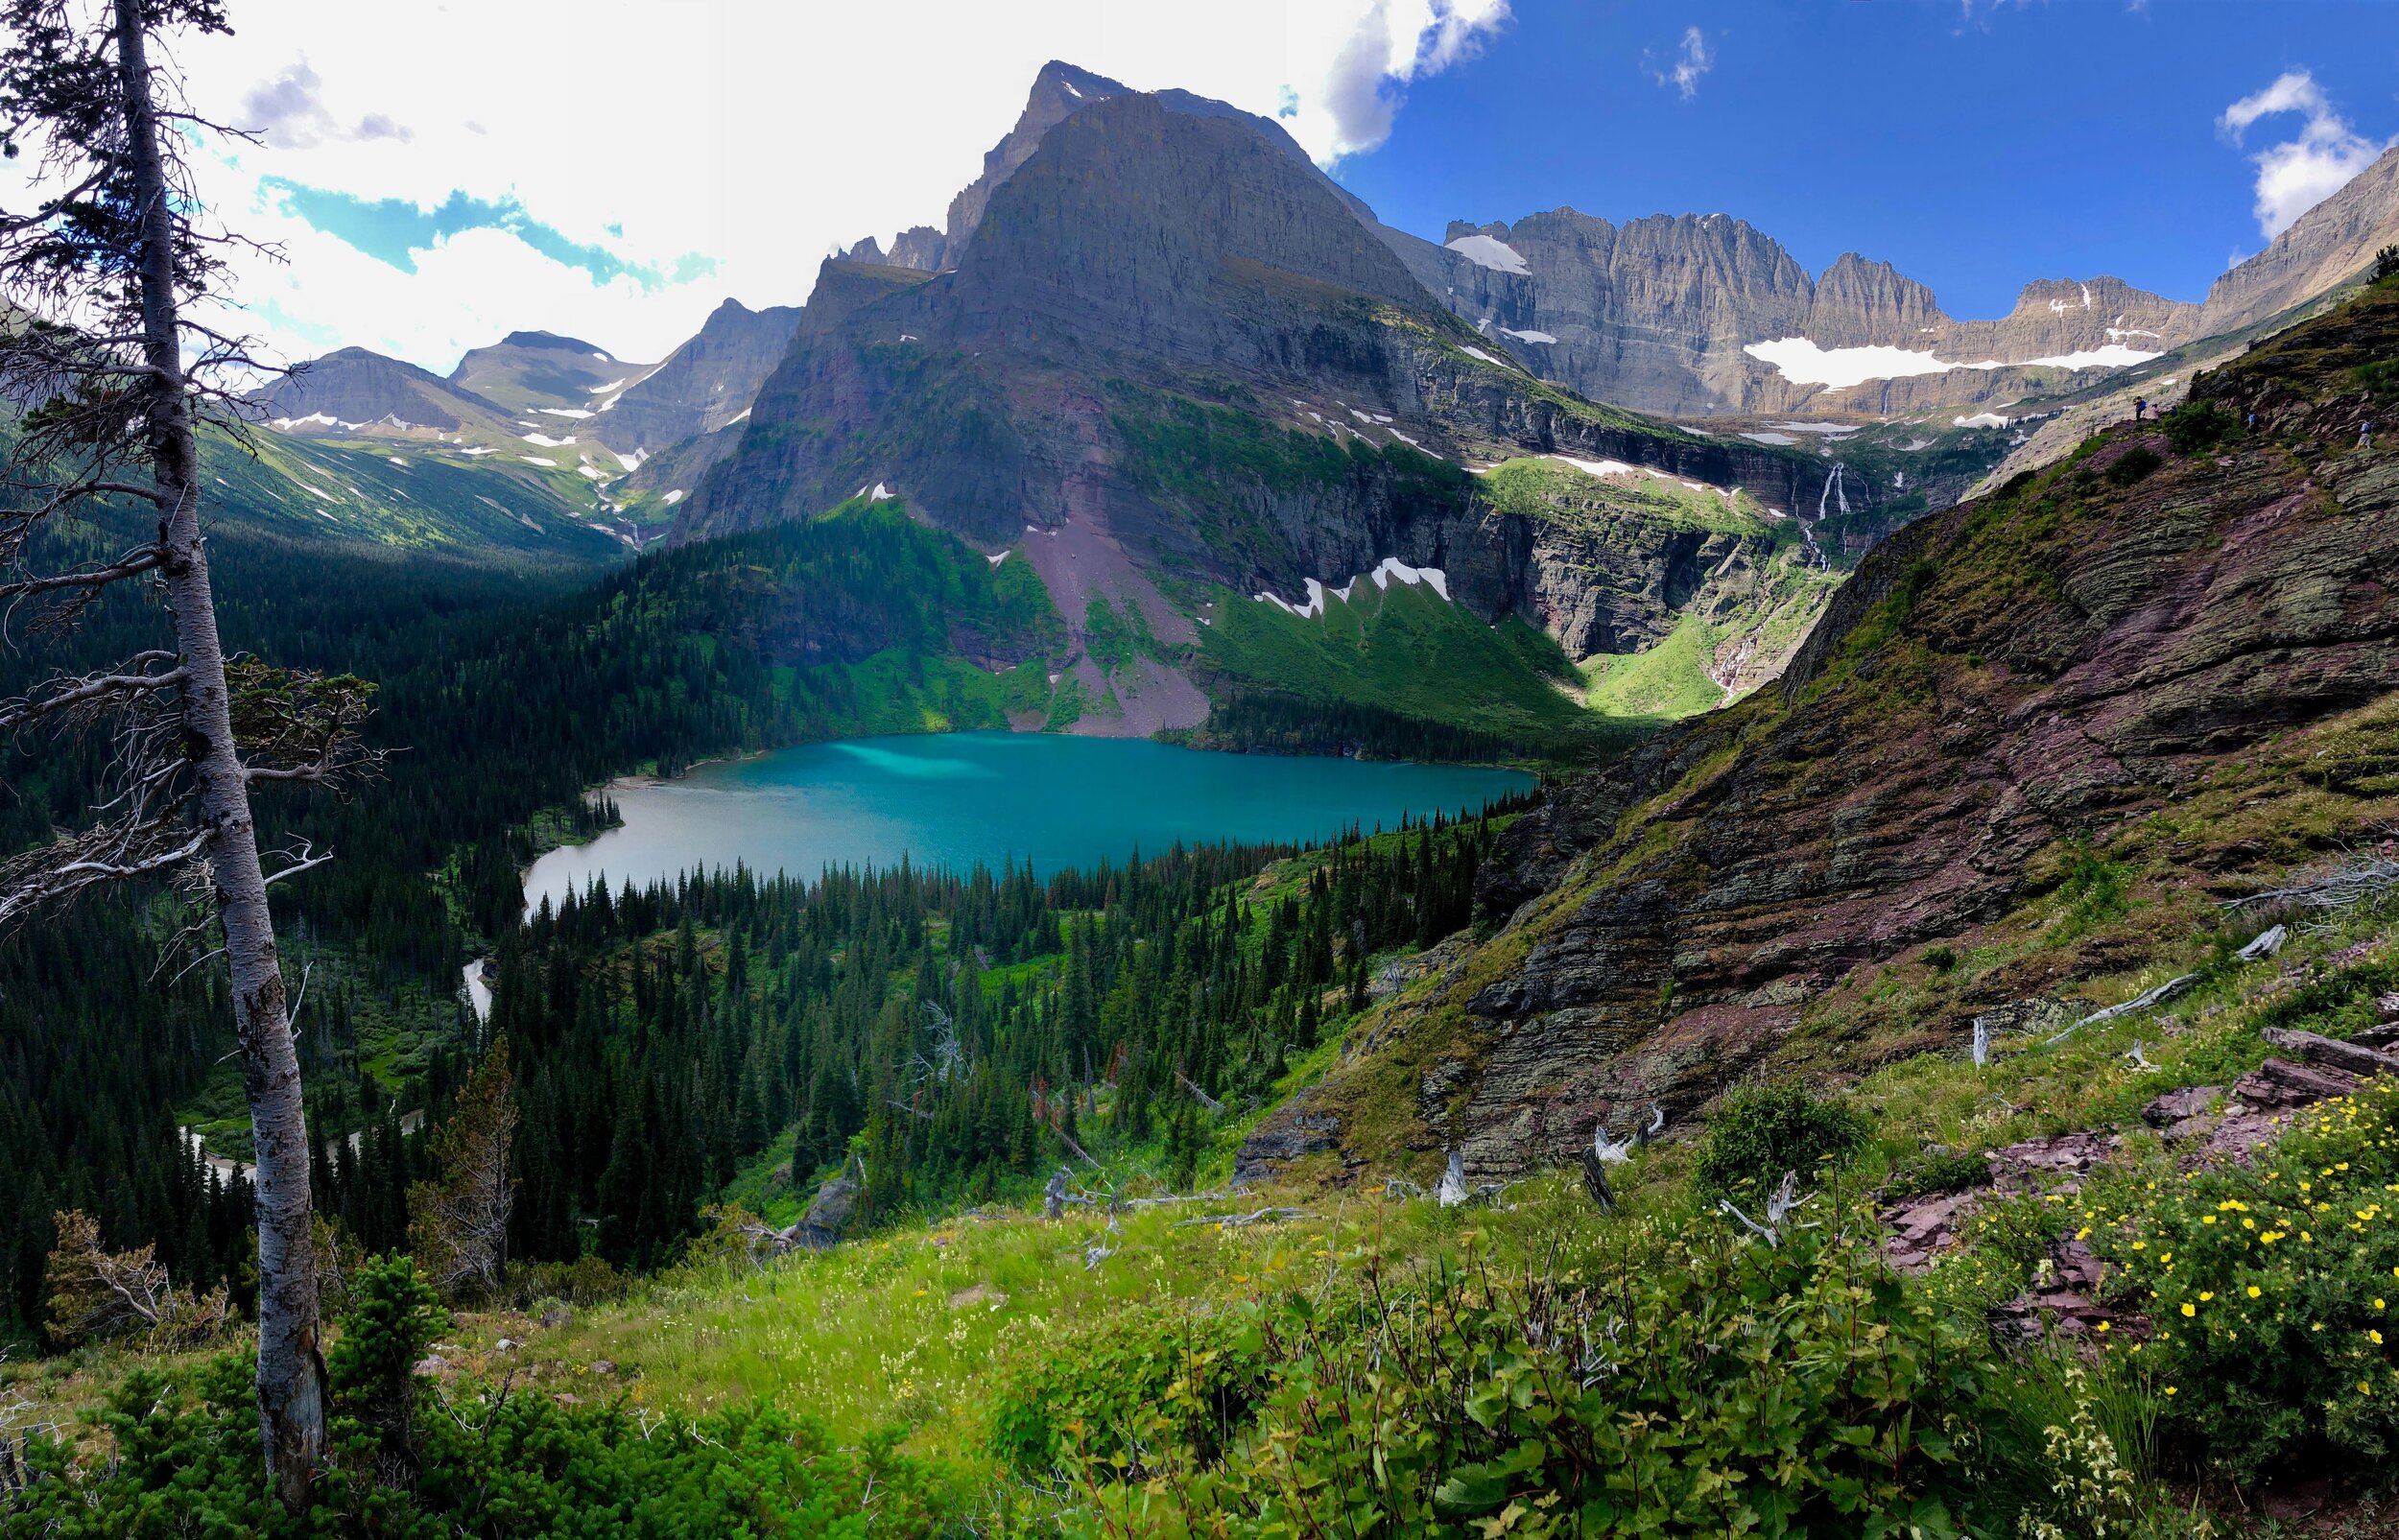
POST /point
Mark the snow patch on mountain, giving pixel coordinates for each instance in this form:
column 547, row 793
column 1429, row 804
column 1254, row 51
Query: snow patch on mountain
column 1489, row 251
column 2114, row 356
column 1390, row 568
column 1393, row 567
column 1803, row 362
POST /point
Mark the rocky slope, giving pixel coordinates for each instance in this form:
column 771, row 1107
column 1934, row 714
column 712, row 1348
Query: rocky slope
column 1174, row 360
column 2069, row 659
column 703, row 384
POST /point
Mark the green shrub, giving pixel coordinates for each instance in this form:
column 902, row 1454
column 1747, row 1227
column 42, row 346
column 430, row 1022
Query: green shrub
column 2133, row 466
column 2387, row 264
column 1940, row 959
column 2272, row 1289
column 1713, row 1386
column 1110, row 1392
column 2195, row 426
column 393, row 1317
column 2093, row 892
column 1760, row 1132
column 585, row 1281
column 1946, row 1173
column 2379, row 379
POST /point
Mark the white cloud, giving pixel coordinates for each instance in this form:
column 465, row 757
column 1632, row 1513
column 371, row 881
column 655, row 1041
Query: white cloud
column 1369, row 51
column 289, row 111
column 1693, row 58
column 2296, row 174
column 734, row 130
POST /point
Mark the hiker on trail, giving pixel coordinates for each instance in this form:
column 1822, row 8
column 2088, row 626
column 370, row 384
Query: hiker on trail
column 2139, row 407
column 2253, row 422
column 2366, row 436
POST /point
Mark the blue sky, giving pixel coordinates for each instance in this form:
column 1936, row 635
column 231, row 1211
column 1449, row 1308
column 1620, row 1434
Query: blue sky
column 1974, row 149
column 615, row 180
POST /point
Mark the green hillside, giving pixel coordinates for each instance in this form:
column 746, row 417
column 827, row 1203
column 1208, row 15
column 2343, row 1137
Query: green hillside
column 1403, row 649
column 402, row 499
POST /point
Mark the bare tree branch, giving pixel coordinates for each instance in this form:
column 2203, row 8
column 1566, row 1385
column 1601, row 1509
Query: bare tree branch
column 70, row 697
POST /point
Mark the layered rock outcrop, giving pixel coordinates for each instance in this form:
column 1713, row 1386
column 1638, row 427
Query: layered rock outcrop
column 2071, row 654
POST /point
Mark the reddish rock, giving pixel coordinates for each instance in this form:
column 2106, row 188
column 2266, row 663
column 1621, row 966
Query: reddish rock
column 1924, row 1227
column 2054, row 1163
column 2181, row 1107
column 2331, row 1052
column 2278, row 1084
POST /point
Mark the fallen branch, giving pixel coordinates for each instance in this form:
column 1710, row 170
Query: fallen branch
column 1164, row 1199
column 2157, row 997
column 2264, row 945
column 1206, row 1101
column 1784, row 1201
column 1230, row 1222
column 1069, row 1142
column 2331, row 1053
column 2362, row 879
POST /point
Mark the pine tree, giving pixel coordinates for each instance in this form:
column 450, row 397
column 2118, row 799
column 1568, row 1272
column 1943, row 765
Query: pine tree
column 458, row 1221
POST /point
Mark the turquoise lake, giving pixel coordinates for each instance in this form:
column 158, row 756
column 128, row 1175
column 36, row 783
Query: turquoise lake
column 954, row 799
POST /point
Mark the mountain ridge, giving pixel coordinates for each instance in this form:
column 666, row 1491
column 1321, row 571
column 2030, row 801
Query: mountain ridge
column 1674, row 323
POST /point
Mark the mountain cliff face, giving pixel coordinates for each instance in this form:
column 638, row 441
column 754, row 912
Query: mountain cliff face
column 2066, row 660
column 1173, row 354
column 1660, row 314
column 703, row 384
column 1655, row 312
column 1058, row 91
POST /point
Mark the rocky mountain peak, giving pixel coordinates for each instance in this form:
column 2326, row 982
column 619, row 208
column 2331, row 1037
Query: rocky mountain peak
column 1131, row 214
column 1859, row 302
column 1058, row 91
column 702, row 386
column 538, row 370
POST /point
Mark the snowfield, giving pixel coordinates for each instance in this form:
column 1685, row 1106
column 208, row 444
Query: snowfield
column 1488, row 252
column 1803, row 363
